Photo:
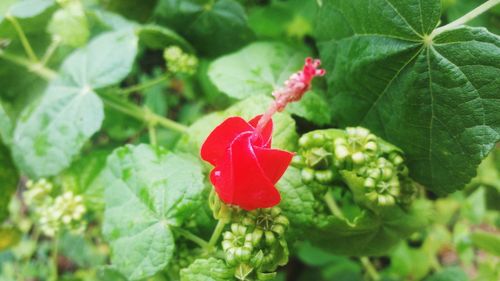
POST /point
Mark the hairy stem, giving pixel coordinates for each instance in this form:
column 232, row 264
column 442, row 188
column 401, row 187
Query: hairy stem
column 54, row 257
column 370, row 269
column 192, row 237
column 140, row 113
column 467, row 17
column 152, row 135
column 332, row 205
column 24, row 40
column 145, row 85
column 50, row 51
column 268, row 115
column 216, row 234
column 37, row 68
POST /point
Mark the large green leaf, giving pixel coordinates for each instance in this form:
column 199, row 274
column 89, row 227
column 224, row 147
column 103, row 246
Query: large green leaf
column 436, row 97
column 27, row 8
column 261, row 68
column 5, row 126
column 215, row 27
column 297, row 200
column 210, row 269
column 256, row 69
column 52, row 130
column 370, row 233
column 107, row 60
column 159, row 37
column 30, row 14
column 8, row 180
column 148, row 191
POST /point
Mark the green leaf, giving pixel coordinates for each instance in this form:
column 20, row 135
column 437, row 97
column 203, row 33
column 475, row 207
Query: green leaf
column 28, row 8
column 297, row 200
column 436, row 98
column 132, row 9
column 284, row 134
column 5, row 126
column 370, row 234
column 489, row 242
column 69, row 24
column 449, row 274
column 105, row 61
column 210, row 269
column 259, row 69
column 8, row 181
column 159, row 37
column 51, row 132
column 86, row 176
column 215, row 27
column 313, row 107
column 148, row 190
column 411, row 263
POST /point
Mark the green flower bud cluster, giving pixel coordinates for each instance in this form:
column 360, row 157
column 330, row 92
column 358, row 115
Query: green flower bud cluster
column 256, row 246
column 381, row 182
column 65, row 211
column 180, row 62
column 356, row 149
column 325, row 154
column 315, row 160
column 54, row 213
column 37, row 192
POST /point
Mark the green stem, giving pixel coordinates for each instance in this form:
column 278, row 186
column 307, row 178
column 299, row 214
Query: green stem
column 54, row 257
column 145, row 85
column 152, row 134
column 50, row 51
column 216, row 234
column 332, row 205
column 24, row 40
column 370, row 269
column 37, row 68
column 467, row 17
column 141, row 113
column 192, row 237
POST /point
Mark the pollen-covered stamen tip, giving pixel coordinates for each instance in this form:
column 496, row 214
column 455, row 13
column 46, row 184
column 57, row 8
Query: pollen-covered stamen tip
column 295, row 87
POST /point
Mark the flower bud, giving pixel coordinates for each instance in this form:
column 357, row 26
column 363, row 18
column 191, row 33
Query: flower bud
column 307, row 175
column 180, row 62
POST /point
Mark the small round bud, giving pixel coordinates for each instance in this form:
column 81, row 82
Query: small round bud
column 369, row 183
column 358, row 158
column 371, row 146
column 307, row 175
column 341, row 152
column 317, row 139
column 269, row 238
column 324, row 176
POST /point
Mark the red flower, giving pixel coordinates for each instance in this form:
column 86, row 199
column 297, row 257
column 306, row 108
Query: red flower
column 246, row 167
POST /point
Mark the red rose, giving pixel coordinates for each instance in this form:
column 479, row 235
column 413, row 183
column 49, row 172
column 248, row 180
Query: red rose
column 246, row 167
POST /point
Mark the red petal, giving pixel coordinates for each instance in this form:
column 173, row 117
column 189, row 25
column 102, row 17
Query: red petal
column 248, row 186
column 267, row 132
column 273, row 162
column 217, row 143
